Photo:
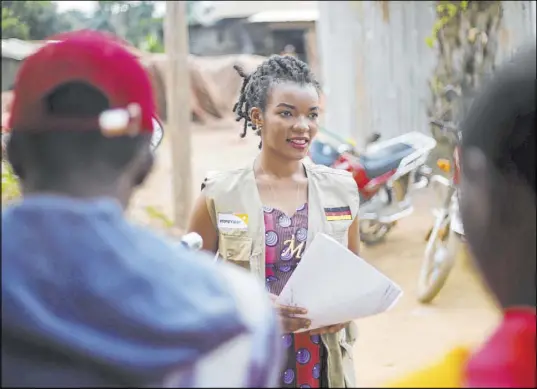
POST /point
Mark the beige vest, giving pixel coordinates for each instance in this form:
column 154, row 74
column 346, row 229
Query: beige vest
column 235, row 192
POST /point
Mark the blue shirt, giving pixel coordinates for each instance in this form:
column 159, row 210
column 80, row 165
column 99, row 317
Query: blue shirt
column 96, row 296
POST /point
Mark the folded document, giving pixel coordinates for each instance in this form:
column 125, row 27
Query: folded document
column 337, row 286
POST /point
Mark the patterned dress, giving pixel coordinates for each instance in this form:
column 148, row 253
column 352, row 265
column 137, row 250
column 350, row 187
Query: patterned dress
column 285, row 239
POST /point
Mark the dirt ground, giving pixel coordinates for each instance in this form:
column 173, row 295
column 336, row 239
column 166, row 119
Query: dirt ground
column 389, row 344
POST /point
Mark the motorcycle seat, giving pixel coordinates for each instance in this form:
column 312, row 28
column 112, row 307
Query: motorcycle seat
column 381, row 161
column 322, row 153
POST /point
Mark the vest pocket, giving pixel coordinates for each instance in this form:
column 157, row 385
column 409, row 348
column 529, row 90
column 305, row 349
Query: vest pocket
column 235, row 249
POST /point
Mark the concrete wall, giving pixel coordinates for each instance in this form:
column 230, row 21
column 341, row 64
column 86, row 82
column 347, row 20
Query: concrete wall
column 375, row 64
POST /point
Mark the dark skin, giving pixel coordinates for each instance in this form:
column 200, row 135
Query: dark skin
column 84, row 185
column 500, row 208
column 291, row 114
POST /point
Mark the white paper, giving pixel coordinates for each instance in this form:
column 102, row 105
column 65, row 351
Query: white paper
column 337, row 286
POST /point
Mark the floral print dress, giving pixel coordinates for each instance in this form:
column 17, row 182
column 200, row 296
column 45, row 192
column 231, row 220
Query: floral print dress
column 285, row 240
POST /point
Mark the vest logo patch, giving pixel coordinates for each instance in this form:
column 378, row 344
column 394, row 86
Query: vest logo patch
column 233, row 221
column 338, row 213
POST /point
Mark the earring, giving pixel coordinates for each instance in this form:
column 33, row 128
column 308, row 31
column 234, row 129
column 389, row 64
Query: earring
column 259, row 128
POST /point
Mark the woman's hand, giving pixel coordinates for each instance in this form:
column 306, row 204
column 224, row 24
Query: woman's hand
column 290, row 322
column 328, row 329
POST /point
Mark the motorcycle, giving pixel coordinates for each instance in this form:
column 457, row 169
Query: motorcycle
column 446, row 236
column 386, row 173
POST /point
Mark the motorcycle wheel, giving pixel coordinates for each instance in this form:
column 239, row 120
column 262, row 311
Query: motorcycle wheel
column 438, row 263
column 372, row 232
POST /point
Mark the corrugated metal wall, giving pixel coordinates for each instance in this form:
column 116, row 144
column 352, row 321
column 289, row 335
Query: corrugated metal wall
column 518, row 26
column 376, row 65
column 533, row 13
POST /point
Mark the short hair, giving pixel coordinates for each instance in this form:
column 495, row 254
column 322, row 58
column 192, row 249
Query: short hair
column 54, row 153
column 255, row 87
column 501, row 121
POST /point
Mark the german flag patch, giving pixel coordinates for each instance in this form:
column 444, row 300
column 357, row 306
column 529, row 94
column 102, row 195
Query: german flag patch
column 339, row 213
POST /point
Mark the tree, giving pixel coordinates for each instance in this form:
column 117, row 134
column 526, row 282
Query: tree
column 12, row 27
column 132, row 21
column 465, row 38
column 135, row 22
column 103, row 15
column 152, row 45
column 140, row 22
column 40, row 18
column 75, row 19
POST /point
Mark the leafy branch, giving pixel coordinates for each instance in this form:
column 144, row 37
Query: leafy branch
column 446, row 10
column 12, row 27
column 157, row 215
column 10, row 184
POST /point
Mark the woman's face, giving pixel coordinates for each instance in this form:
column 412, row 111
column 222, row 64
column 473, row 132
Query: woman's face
column 290, row 120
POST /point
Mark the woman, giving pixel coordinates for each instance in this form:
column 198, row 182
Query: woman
column 264, row 216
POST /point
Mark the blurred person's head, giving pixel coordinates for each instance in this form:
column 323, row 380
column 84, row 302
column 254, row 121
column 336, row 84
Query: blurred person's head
column 61, row 142
column 498, row 190
column 280, row 102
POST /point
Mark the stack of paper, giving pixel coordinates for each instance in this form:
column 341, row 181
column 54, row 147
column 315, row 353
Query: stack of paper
column 336, row 286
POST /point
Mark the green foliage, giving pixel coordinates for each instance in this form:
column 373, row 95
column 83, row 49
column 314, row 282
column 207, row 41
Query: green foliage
column 75, row 19
column 10, row 184
column 12, row 27
column 446, row 11
column 152, row 45
column 134, row 21
column 40, row 18
column 156, row 214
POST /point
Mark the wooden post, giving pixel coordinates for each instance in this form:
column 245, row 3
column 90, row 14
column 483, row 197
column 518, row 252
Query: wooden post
column 178, row 108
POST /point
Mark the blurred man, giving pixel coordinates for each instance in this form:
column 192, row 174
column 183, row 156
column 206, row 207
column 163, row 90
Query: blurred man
column 89, row 299
column 498, row 196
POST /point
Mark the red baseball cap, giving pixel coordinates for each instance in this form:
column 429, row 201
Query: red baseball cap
column 97, row 59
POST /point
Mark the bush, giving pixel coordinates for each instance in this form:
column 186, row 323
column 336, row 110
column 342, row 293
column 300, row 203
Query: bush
column 10, row 184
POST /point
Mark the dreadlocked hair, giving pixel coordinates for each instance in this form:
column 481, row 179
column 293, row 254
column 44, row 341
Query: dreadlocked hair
column 255, row 87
